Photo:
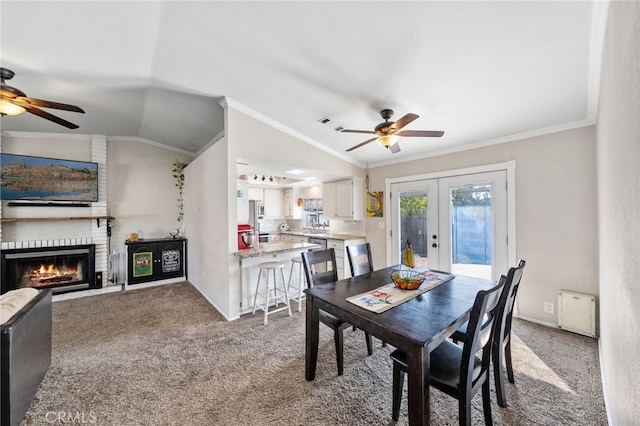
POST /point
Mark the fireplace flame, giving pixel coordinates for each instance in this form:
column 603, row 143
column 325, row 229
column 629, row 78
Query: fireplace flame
column 51, row 273
column 51, row 270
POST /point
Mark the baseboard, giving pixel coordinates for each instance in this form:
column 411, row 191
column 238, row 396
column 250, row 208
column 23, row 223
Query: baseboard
column 537, row 321
column 128, row 287
column 213, row 304
column 604, row 388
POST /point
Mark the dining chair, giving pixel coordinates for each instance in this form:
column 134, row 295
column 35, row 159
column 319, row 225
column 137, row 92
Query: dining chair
column 321, row 275
column 501, row 351
column 459, row 371
column 360, row 261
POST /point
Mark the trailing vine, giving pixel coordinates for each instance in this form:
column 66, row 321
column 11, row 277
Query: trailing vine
column 178, row 175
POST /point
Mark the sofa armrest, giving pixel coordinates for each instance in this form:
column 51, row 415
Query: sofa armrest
column 25, row 356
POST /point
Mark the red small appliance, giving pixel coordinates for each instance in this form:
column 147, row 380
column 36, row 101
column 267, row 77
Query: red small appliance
column 242, row 228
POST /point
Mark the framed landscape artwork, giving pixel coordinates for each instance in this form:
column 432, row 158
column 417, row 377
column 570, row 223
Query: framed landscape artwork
column 26, row 177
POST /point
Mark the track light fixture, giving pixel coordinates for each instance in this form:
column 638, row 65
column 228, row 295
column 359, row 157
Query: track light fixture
column 264, row 178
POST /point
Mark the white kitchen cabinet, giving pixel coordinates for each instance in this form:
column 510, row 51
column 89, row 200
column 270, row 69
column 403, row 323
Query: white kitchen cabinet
column 344, row 199
column 270, row 197
column 329, row 206
column 314, row 191
column 273, row 203
column 294, row 238
column 290, row 206
column 255, row 193
column 300, row 239
column 342, row 261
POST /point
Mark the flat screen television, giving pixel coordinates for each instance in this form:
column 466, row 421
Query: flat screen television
column 24, row 177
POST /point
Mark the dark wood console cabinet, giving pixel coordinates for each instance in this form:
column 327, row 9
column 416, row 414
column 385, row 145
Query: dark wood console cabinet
column 156, row 259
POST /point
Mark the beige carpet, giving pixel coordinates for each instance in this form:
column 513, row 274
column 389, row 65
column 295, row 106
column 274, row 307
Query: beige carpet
column 164, row 356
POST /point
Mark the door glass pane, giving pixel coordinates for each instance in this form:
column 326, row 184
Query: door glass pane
column 413, row 224
column 472, row 230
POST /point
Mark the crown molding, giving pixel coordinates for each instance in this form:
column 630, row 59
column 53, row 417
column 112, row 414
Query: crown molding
column 216, row 138
column 150, row 142
column 90, row 137
column 600, row 12
column 43, row 135
column 495, row 141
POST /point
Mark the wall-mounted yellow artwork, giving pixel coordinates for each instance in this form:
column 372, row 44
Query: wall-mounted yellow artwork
column 374, row 204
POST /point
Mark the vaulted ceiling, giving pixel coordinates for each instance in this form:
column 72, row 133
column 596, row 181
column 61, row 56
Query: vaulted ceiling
column 483, row 72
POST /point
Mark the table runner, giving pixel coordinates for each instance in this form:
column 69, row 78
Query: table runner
column 389, row 296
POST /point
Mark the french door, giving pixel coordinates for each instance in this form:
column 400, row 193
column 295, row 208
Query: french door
column 456, row 224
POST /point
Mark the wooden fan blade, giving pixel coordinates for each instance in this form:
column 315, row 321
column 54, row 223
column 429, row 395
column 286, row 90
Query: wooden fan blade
column 361, row 144
column 46, row 115
column 358, row 131
column 50, row 104
column 394, row 148
column 421, row 133
column 403, row 121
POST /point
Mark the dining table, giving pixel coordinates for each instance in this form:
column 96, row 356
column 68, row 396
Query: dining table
column 416, row 326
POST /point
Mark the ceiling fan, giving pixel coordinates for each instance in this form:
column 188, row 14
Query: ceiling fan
column 388, row 133
column 14, row 101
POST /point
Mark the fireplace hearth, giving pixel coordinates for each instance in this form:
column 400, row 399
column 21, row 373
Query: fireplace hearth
column 63, row 269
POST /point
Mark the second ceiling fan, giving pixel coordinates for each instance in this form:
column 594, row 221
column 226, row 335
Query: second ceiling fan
column 388, row 133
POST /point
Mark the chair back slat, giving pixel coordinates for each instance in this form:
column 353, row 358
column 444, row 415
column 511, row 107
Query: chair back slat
column 360, row 261
column 480, row 330
column 511, row 290
column 320, row 266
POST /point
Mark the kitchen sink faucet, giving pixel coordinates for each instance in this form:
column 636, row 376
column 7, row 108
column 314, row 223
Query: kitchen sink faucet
column 322, row 225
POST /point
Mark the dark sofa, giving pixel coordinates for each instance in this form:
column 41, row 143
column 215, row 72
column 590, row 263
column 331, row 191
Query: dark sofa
column 25, row 357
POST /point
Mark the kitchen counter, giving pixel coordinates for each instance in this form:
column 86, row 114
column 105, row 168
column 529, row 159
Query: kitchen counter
column 328, row 235
column 276, row 247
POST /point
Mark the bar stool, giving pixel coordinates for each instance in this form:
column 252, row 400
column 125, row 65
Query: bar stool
column 266, row 294
column 301, row 281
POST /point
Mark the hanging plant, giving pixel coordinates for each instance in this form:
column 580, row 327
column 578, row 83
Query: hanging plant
column 178, row 175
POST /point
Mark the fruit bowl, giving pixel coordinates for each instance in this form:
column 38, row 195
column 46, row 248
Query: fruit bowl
column 407, row 279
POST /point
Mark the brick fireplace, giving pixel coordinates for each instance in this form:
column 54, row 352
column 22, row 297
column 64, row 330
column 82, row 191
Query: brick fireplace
column 73, row 238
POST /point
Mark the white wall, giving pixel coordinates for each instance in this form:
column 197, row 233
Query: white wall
column 556, row 211
column 142, row 191
column 206, row 222
column 618, row 134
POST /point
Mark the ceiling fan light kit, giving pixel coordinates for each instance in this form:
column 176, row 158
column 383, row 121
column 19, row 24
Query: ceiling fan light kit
column 388, row 140
column 389, row 133
column 14, row 102
column 7, row 108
